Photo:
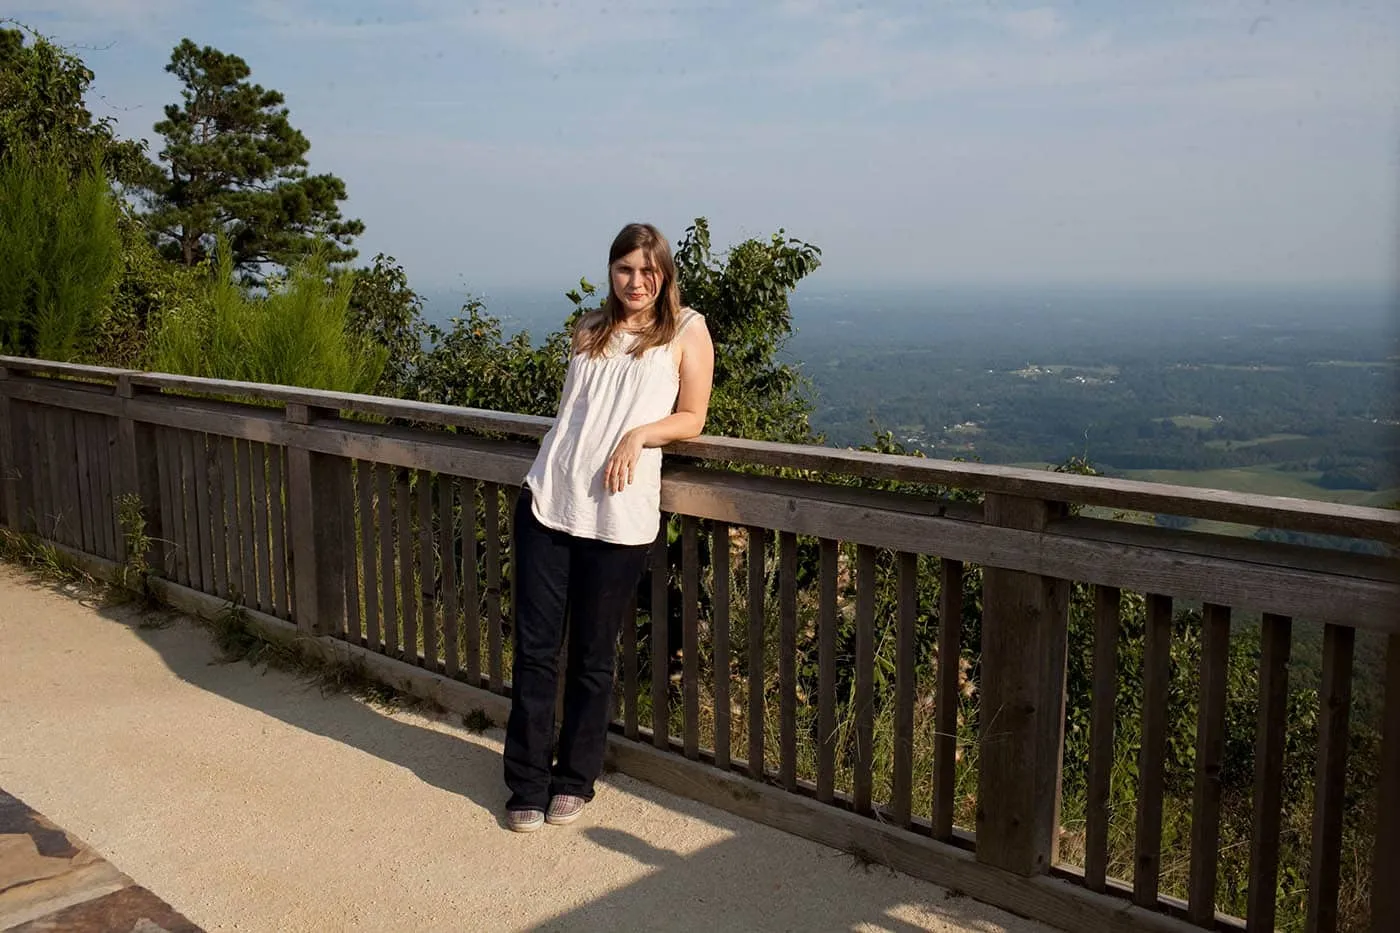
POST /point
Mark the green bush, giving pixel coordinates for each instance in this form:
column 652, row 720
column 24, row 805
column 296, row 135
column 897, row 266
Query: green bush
column 297, row 334
column 60, row 254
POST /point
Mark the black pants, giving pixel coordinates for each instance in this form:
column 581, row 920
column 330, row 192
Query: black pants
column 593, row 582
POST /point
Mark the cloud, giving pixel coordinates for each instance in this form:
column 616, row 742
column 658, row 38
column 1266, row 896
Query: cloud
column 1041, row 24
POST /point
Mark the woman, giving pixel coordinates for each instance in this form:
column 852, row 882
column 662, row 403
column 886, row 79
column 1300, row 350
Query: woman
column 639, row 378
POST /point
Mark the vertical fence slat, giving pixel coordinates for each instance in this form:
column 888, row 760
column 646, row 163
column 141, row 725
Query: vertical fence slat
column 228, row 467
column 660, row 647
column 200, row 451
column 387, row 578
column 83, row 466
column 471, row 593
column 865, row 677
column 757, row 549
column 188, row 502
column 491, row 507
column 96, row 440
column 1107, row 614
column 249, row 562
column 427, row 571
column 281, row 569
column 38, row 479
column 369, row 543
column 1210, row 755
column 218, row 530
column 67, row 466
column 690, row 632
column 1156, row 679
column 630, row 697
column 1334, row 719
column 447, row 544
column 408, row 591
column 107, row 460
column 1276, row 639
column 901, row 793
column 178, row 533
column 262, row 538
column 1385, row 861
column 945, row 743
column 826, row 670
column 356, row 476
column 787, row 659
column 719, row 557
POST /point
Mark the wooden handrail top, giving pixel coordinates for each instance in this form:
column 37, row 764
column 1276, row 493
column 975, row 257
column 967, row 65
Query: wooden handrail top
column 1129, row 495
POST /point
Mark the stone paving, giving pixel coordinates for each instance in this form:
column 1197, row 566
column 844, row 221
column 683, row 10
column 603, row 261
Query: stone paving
column 51, row 881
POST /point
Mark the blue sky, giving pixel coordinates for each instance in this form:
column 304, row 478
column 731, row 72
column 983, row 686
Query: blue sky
column 501, row 144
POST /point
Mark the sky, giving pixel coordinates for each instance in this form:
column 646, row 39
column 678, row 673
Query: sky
column 502, row 144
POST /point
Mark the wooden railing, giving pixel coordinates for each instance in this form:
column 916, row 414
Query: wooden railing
column 831, row 634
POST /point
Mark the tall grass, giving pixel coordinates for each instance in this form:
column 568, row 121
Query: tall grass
column 60, row 254
column 298, row 334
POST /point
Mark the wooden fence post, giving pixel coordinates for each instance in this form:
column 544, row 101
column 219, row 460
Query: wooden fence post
column 1021, row 723
column 318, row 510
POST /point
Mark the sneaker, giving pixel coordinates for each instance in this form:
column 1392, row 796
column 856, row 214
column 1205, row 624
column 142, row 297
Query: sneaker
column 524, row 821
column 564, row 809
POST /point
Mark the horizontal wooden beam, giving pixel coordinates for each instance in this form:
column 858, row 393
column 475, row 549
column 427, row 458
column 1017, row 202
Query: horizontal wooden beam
column 1127, row 495
column 1311, row 584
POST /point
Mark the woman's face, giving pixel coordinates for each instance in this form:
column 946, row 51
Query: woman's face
column 636, row 281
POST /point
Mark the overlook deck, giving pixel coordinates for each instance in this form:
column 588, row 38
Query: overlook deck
column 249, row 801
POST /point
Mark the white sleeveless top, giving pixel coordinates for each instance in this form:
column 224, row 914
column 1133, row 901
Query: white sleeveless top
column 604, row 397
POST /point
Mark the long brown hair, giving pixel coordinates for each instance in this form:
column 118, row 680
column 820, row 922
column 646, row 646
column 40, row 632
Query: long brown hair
column 599, row 331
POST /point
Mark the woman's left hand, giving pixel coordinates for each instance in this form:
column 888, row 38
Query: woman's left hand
column 623, row 462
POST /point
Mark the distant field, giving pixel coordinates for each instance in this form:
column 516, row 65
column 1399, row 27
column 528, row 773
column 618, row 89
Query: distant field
column 1266, row 481
column 1198, row 422
column 1254, row 441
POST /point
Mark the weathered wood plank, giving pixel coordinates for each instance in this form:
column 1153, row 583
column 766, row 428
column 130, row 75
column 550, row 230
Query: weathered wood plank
column 865, row 677
column 388, row 578
column 427, row 571
column 945, row 744
column 1156, row 680
column 757, row 549
column 1385, row 864
column 92, row 435
column 660, row 642
column 108, row 477
column 408, row 588
column 193, row 539
column 246, row 534
column 629, row 671
column 1334, row 721
column 491, row 521
column 829, row 557
column 1210, row 758
column 690, row 633
column 354, row 549
column 901, row 795
column 175, row 477
column 1107, row 614
column 64, row 467
column 369, row 543
column 720, row 562
column 42, row 497
column 199, row 454
column 277, row 492
column 10, row 470
column 218, row 530
column 787, row 660
column 85, row 481
column 262, row 536
column 228, row 466
column 447, row 545
column 471, row 591
column 1276, row 640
